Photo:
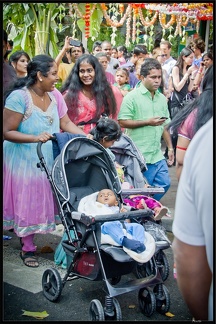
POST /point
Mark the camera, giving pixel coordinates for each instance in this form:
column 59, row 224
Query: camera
column 75, row 43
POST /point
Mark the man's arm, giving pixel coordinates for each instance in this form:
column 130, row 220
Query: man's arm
column 129, row 123
column 193, row 277
column 168, row 141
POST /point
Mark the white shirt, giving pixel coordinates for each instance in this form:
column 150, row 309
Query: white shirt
column 193, row 221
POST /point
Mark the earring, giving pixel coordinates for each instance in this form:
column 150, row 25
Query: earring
column 40, row 79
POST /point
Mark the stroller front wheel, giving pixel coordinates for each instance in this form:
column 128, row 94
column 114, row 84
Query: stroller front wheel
column 51, row 284
column 96, row 311
column 147, row 301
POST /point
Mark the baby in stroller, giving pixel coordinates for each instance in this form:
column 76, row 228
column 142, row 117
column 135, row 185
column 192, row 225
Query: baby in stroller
column 129, row 235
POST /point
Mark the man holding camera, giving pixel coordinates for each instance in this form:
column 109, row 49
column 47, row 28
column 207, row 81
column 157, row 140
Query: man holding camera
column 72, row 49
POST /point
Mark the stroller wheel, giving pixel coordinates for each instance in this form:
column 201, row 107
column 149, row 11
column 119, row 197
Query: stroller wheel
column 147, row 301
column 143, row 270
column 163, row 264
column 96, row 311
column 113, row 281
column 112, row 310
column 51, row 284
column 162, row 298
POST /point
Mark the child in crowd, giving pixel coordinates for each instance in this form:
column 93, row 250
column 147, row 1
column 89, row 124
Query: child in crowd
column 106, row 132
column 122, row 80
column 105, row 202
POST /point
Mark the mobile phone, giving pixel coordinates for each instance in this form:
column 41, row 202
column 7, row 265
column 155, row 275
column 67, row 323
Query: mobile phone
column 163, row 118
column 74, row 42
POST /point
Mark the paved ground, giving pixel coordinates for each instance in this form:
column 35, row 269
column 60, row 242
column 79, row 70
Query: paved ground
column 23, row 288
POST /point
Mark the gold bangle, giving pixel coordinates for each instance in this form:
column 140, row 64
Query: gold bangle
column 170, row 149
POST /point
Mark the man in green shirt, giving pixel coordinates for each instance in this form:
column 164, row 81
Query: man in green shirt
column 141, row 115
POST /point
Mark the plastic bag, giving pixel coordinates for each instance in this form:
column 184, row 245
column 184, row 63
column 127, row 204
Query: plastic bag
column 157, row 231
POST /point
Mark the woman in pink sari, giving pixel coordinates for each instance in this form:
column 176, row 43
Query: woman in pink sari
column 88, row 94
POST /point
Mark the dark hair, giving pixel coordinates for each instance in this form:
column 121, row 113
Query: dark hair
column 203, row 103
column 108, row 128
column 96, row 44
column 140, row 49
column 40, row 63
column 101, row 89
column 14, row 57
column 186, row 51
column 208, row 54
column 149, row 64
column 125, row 70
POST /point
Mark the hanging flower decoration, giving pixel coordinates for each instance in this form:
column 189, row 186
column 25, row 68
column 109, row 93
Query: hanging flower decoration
column 112, row 23
column 134, row 25
column 180, row 14
column 162, row 19
column 201, row 11
column 145, row 22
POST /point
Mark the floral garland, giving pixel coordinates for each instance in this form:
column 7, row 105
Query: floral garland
column 147, row 23
column 115, row 23
column 79, row 13
column 162, row 19
column 201, row 11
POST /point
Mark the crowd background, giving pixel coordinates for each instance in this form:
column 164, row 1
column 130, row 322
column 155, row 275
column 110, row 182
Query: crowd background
column 83, row 78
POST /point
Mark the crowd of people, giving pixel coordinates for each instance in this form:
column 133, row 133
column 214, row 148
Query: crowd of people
column 143, row 92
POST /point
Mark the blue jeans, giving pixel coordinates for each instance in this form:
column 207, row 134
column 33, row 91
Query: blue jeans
column 115, row 230
column 157, row 175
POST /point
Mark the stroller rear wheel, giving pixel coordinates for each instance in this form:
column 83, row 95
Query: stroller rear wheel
column 147, row 301
column 143, row 270
column 51, row 284
column 162, row 298
column 96, row 311
column 163, row 264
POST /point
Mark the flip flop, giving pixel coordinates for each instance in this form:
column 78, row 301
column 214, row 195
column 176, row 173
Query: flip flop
column 161, row 213
column 29, row 259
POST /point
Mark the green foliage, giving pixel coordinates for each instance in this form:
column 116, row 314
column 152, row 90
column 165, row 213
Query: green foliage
column 33, row 27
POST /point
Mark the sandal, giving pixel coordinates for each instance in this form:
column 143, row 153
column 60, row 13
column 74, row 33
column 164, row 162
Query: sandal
column 29, row 259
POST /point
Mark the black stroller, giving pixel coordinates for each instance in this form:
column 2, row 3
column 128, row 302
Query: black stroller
column 84, row 167
column 128, row 155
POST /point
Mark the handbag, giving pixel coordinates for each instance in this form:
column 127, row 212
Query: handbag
column 187, row 99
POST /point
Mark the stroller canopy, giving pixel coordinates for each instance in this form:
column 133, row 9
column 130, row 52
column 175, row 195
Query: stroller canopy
column 128, row 155
column 84, row 163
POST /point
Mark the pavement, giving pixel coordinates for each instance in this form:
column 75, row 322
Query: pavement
column 23, row 285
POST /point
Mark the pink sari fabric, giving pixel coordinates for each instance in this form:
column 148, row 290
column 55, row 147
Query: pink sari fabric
column 87, row 107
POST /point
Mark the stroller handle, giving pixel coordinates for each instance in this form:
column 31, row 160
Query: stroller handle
column 39, row 151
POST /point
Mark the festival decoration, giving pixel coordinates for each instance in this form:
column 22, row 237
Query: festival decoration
column 168, row 14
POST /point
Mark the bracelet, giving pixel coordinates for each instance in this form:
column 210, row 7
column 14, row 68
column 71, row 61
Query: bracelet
column 170, row 149
column 192, row 78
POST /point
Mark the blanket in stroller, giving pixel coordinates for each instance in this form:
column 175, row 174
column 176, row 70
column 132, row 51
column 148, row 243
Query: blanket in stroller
column 89, row 205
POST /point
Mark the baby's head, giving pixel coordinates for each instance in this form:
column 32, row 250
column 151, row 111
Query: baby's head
column 106, row 131
column 107, row 196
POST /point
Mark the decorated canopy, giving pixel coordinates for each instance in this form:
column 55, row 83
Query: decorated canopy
column 140, row 14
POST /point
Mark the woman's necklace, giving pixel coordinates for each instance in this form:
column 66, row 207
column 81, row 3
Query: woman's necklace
column 41, row 98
